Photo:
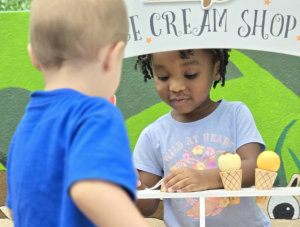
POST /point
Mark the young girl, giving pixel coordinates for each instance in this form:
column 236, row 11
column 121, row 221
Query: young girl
column 183, row 146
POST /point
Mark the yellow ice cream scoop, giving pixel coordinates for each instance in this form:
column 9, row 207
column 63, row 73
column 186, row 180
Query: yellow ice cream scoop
column 268, row 160
column 229, row 161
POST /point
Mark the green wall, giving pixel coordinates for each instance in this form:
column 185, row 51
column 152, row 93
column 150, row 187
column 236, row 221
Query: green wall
column 267, row 82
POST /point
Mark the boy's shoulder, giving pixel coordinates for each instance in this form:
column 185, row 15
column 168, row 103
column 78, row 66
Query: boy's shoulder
column 68, row 100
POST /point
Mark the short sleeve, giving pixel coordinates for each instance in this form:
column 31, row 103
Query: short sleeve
column 146, row 154
column 100, row 150
column 247, row 131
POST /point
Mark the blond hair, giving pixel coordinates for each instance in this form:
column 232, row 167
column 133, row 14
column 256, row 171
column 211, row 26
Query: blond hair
column 62, row 30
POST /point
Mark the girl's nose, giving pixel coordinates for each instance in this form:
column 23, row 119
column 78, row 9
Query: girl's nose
column 176, row 85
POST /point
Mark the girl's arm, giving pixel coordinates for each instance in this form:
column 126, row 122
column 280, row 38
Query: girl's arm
column 106, row 204
column 249, row 153
column 188, row 179
column 147, row 180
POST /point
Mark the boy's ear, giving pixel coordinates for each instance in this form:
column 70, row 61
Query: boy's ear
column 32, row 58
column 113, row 54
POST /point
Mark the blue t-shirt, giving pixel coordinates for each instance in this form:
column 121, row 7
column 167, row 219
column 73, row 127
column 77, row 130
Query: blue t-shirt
column 167, row 144
column 65, row 137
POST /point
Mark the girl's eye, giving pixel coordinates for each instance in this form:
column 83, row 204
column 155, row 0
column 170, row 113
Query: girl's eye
column 163, row 78
column 191, row 76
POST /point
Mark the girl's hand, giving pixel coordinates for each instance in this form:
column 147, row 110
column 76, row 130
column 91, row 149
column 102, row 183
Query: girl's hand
column 146, row 180
column 185, row 180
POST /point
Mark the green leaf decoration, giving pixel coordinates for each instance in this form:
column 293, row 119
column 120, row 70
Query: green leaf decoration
column 296, row 160
column 281, row 177
column 2, row 167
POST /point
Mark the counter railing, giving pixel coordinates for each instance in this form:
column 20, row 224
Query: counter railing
column 244, row 192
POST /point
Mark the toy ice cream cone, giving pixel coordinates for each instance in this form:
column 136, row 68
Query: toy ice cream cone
column 264, row 180
column 231, row 173
column 268, row 162
column 232, row 181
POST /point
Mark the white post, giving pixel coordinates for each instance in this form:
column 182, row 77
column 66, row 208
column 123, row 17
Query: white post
column 202, row 211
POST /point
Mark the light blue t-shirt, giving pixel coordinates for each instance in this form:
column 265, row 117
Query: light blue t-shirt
column 167, row 144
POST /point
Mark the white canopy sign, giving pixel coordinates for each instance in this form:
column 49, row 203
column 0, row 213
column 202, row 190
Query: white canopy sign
column 268, row 25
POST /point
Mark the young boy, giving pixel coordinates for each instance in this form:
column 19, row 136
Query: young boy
column 69, row 161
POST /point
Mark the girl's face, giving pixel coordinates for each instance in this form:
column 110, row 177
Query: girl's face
column 184, row 84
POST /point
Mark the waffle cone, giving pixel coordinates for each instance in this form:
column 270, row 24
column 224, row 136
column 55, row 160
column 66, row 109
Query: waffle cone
column 264, row 180
column 232, row 181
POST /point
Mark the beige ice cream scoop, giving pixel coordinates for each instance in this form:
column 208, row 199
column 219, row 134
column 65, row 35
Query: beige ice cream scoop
column 229, row 161
column 231, row 173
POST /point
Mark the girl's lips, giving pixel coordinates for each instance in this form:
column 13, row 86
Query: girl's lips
column 179, row 100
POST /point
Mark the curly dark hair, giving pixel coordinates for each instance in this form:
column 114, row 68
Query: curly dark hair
column 222, row 55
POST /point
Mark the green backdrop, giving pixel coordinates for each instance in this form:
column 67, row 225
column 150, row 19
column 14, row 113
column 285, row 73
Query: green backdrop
column 267, row 82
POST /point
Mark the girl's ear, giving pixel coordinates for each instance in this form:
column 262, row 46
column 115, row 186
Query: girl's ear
column 32, row 58
column 113, row 54
column 216, row 71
